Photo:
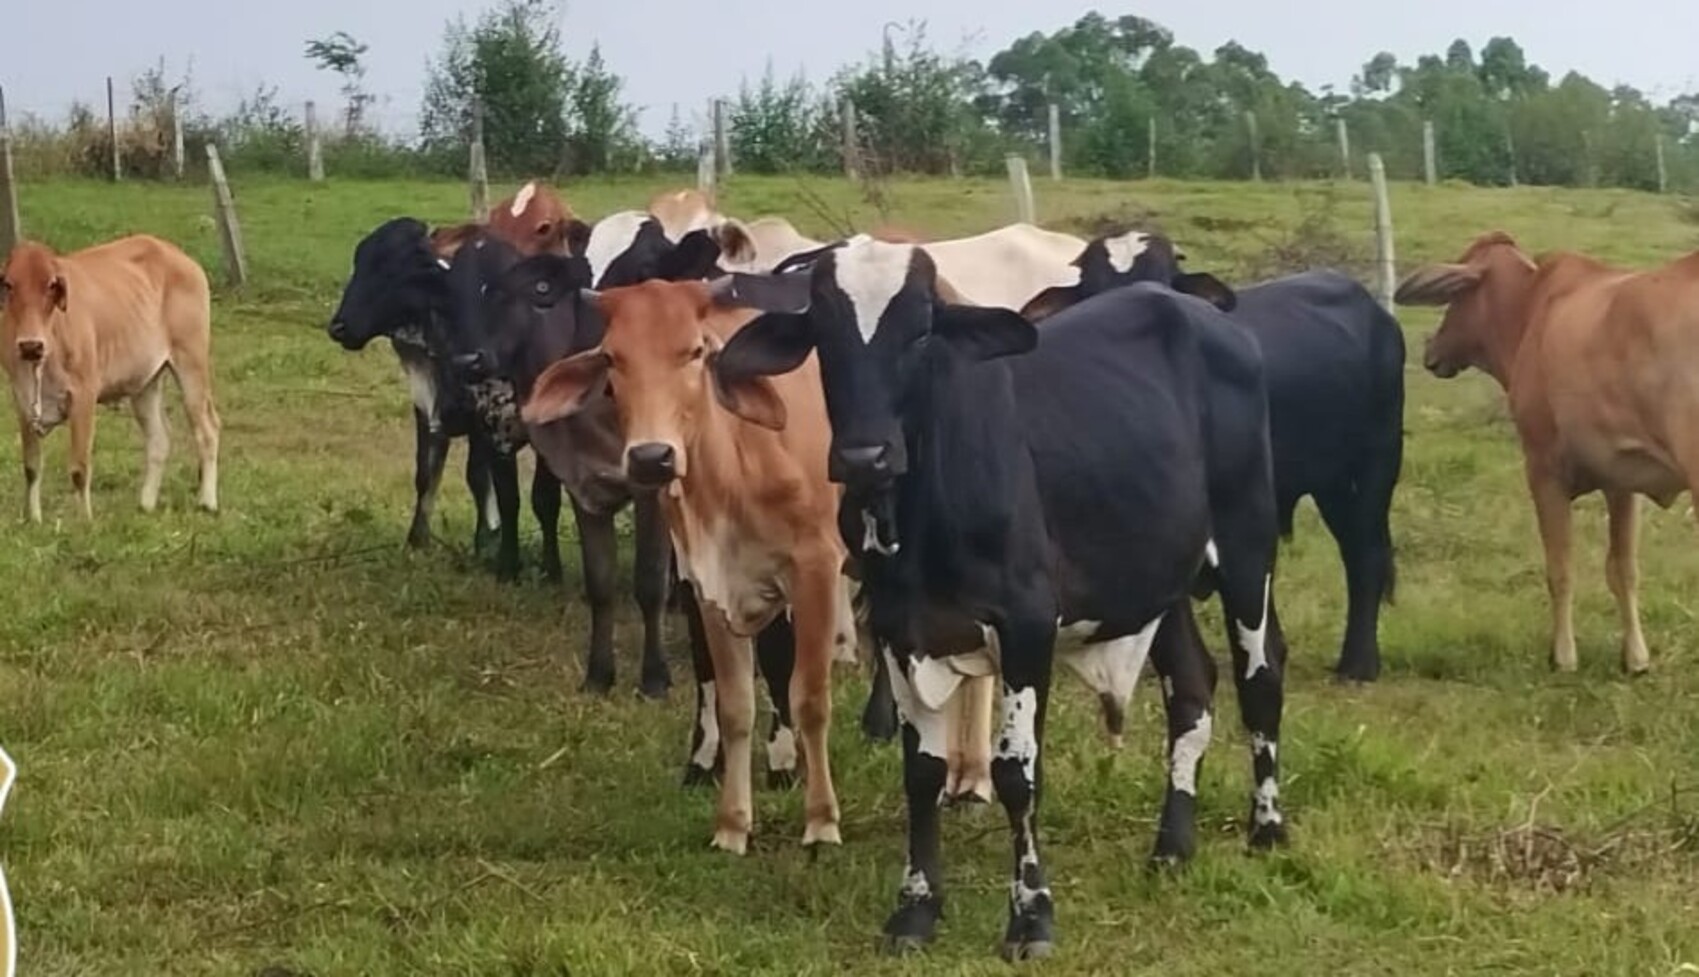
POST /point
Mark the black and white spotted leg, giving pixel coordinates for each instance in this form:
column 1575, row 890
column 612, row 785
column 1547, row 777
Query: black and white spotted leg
column 706, row 760
column 1017, row 770
column 775, row 654
column 925, row 737
column 1187, row 673
column 430, row 457
column 1259, row 668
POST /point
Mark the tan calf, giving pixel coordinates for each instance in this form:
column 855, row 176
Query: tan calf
column 1598, row 365
column 101, row 325
column 740, row 461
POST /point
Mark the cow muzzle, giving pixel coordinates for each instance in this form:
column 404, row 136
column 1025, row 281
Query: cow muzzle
column 1438, row 365
column 473, row 366
column 652, row 464
column 865, row 467
column 31, row 350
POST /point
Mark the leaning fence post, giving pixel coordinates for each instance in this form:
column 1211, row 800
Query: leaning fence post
column 112, row 130
column 722, row 142
column 224, row 210
column 1055, row 141
column 1663, row 169
column 1150, row 147
column 315, row 153
column 852, row 145
column 477, row 169
column 1256, row 146
column 11, row 228
column 176, row 136
column 705, row 167
column 1385, row 261
column 1430, row 165
column 1344, row 146
column 1021, row 184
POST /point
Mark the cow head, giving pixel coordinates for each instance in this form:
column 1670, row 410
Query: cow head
column 1122, row 259
column 33, row 300
column 513, row 317
column 536, row 221
column 661, row 352
column 1482, row 294
column 631, row 247
column 883, row 325
column 397, row 276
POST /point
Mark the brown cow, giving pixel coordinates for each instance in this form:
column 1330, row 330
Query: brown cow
column 101, row 325
column 683, row 211
column 740, row 462
column 1597, row 364
column 534, row 220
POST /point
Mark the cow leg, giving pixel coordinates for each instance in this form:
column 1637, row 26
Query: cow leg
column 1552, row 507
column 651, row 570
column 970, row 742
column 504, row 480
column 196, row 388
column 706, row 758
column 775, row 653
column 430, row 456
column 1028, row 644
column 82, row 451
column 734, row 671
column 1188, row 688
column 545, row 504
column 149, row 409
column 814, row 606
column 599, row 551
column 925, row 732
column 478, row 483
column 30, row 445
column 1622, row 571
column 1259, row 668
column 879, row 716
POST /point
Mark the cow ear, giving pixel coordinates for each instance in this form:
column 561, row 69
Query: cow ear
column 446, row 242
column 753, row 398
column 790, row 292
column 1437, row 284
column 1207, row 287
column 576, row 234
column 691, row 259
column 1051, row 301
column 771, row 344
column 983, row 333
column 564, row 388
column 734, row 241
column 57, row 290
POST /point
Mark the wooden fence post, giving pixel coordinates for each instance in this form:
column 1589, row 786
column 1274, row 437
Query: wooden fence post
column 1344, row 146
column 705, row 167
column 229, row 229
column 11, row 228
column 1150, row 147
column 477, row 170
column 112, row 130
column 852, row 145
column 722, row 142
column 1256, row 146
column 1663, row 169
column 1510, row 150
column 176, row 136
column 1386, row 279
column 1021, row 184
column 315, row 152
column 1055, row 141
column 1430, row 167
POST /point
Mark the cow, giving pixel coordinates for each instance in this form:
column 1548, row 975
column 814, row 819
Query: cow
column 1334, row 365
column 100, row 325
column 1001, row 482
column 761, row 244
column 682, row 211
column 1597, row 366
column 534, row 220
column 399, row 290
column 740, row 464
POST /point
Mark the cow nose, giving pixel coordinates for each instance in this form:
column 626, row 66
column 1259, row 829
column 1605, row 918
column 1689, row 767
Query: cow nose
column 861, row 464
column 473, row 365
column 651, row 463
column 338, row 330
column 32, row 350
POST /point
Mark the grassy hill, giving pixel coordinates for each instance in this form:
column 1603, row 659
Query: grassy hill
column 273, row 737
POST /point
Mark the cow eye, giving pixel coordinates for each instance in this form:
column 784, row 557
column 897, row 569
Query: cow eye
column 700, row 351
column 541, row 288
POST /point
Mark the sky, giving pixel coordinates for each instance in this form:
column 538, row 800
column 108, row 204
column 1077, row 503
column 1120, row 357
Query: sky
column 55, row 51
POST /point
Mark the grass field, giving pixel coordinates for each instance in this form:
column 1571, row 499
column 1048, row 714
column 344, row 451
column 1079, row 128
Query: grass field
column 274, row 739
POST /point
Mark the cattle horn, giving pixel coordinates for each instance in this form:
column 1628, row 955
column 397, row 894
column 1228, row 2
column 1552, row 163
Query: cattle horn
column 1436, row 284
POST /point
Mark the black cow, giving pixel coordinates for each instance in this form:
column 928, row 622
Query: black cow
column 399, row 290
column 1334, row 362
column 993, row 496
column 513, row 319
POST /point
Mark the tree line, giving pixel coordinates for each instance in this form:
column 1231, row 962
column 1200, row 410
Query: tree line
column 1498, row 117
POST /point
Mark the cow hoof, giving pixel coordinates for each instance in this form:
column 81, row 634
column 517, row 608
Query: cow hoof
column 419, row 538
column 553, row 573
column 824, row 833
column 597, row 684
column 655, row 687
column 731, row 840
column 1362, row 672
column 1033, row 950
column 695, row 776
column 781, row 779
column 507, row 572
column 1637, row 670
column 912, row 926
column 1030, row 936
column 1266, row 837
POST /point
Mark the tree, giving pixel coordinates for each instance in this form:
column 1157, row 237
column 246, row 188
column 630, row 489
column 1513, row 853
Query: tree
column 678, row 149
column 601, row 127
column 510, row 62
column 772, row 126
column 1379, row 73
column 341, row 53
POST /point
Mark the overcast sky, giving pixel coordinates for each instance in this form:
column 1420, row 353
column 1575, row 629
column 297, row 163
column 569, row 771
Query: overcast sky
column 54, row 51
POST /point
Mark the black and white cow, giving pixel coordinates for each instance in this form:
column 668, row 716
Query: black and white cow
column 513, row 319
column 994, row 497
column 399, row 289
column 1334, row 363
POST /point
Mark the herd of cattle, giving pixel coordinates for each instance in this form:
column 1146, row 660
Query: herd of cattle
column 950, row 451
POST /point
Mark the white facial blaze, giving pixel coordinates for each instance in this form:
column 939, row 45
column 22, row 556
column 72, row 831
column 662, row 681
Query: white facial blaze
column 1019, row 738
column 1189, row 749
column 612, row 236
column 1113, row 667
column 522, row 199
column 1125, row 250
column 708, row 724
column 871, row 274
column 1255, row 640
